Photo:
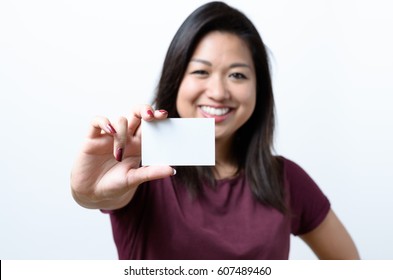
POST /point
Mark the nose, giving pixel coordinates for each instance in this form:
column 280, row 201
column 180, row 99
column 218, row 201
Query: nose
column 217, row 89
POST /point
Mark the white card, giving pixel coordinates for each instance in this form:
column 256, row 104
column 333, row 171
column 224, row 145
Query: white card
column 178, row 141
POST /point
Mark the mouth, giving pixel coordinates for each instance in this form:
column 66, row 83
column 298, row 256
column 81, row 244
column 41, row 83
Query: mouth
column 219, row 114
column 214, row 111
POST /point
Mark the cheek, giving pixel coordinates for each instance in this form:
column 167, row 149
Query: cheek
column 253, row 102
column 249, row 99
column 184, row 98
column 187, row 95
column 188, row 88
column 179, row 104
column 248, row 102
column 249, row 110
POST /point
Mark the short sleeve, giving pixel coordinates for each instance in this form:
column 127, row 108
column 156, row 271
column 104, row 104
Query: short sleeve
column 308, row 205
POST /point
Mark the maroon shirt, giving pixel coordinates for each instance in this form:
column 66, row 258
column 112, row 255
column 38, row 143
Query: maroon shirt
column 162, row 221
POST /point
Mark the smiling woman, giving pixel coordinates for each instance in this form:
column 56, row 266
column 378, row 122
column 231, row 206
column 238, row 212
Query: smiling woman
column 219, row 83
column 250, row 202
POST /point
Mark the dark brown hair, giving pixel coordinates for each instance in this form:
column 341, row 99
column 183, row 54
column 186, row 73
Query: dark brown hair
column 253, row 143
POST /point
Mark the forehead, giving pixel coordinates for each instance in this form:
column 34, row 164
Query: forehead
column 223, row 43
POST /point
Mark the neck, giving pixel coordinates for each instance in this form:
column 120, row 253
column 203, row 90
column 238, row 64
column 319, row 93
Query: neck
column 226, row 165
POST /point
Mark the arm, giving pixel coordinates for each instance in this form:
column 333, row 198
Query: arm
column 330, row 240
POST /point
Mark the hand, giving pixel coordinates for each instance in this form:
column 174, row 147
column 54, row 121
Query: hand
column 107, row 171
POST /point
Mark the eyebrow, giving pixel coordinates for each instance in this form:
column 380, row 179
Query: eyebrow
column 233, row 65
column 201, row 61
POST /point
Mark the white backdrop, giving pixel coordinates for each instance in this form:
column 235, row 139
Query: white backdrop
column 63, row 62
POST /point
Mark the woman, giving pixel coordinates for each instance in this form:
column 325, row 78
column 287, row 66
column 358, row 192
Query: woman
column 248, row 204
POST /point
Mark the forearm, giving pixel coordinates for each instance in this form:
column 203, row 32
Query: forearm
column 92, row 202
column 330, row 240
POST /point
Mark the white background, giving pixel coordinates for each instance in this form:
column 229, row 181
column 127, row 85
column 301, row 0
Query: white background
column 63, row 62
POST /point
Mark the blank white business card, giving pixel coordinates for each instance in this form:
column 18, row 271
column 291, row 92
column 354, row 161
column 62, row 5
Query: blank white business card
column 178, row 141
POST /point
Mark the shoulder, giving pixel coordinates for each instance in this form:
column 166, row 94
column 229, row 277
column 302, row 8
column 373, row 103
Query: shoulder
column 308, row 204
column 296, row 176
column 291, row 169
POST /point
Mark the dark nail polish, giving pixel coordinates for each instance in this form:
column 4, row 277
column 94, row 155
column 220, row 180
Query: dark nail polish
column 119, row 154
column 110, row 128
column 150, row 113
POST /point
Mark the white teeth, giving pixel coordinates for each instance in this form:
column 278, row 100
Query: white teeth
column 214, row 111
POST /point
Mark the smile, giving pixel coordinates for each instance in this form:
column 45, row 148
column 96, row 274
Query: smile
column 215, row 111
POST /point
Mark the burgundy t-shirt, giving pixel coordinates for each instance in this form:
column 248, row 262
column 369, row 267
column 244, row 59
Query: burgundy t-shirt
column 162, row 221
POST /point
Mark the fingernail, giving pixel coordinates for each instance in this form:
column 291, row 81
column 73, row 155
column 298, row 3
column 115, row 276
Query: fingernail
column 174, row 172
column 110, row 129
column 119, row 154
column 163, row 111
column 150, row 113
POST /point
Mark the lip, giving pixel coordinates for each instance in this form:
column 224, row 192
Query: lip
column 217, row 119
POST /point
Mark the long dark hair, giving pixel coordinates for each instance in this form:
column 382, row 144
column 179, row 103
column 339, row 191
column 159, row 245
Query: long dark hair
column 253, row 142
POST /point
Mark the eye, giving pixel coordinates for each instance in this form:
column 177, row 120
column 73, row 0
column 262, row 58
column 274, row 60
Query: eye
column 238, row 76
column 199, row 72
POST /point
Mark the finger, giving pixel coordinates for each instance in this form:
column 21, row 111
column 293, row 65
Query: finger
column 120, row 138
column 100, row 124
column 149, row 173
column 160, row 114
column 140, row 112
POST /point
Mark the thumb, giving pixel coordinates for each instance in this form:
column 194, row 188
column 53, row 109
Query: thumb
column 149, row 173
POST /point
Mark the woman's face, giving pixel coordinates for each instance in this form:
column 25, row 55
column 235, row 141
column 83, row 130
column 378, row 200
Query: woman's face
column 219, row 83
